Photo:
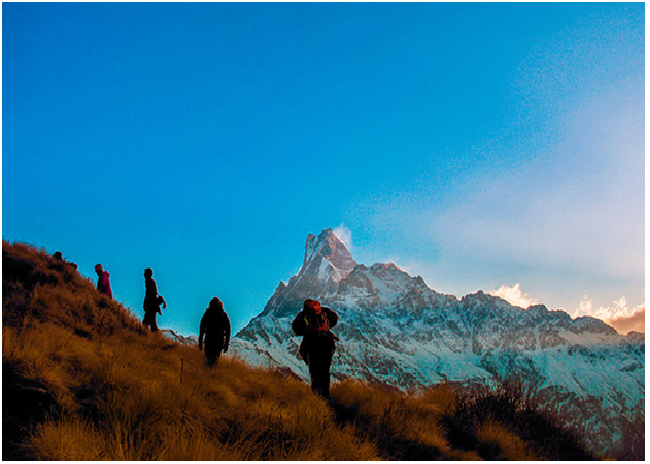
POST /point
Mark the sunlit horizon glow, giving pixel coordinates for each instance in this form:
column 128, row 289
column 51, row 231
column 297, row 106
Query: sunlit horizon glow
column 478, row 145
column 619, row 315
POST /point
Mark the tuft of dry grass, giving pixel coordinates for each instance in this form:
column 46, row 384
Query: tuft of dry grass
column 503, row 443
column 83, row 380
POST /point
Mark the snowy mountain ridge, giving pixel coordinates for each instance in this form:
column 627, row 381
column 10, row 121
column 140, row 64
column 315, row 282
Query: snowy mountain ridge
column 394, row 329
column 192, row 340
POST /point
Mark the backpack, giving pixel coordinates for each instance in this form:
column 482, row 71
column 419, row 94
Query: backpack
column 316, row 329
column 316, row 322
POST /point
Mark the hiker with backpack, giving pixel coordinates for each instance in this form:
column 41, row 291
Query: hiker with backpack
column 214, row 331
column 152, row 301
column 103, row 281
column 313, row 323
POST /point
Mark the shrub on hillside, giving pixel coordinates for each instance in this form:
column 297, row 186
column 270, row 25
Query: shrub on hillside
column 510, row 417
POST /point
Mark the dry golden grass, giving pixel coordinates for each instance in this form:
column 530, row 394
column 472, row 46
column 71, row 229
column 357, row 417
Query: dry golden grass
column 83, row 380
column 404, row 426
column 507, row 445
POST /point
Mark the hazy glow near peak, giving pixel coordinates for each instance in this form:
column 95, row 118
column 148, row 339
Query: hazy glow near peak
column 345, row 235
column 515, row 296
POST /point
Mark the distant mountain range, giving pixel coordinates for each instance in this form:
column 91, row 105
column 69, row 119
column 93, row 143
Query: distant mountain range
column 396, row 330
column 178, row 338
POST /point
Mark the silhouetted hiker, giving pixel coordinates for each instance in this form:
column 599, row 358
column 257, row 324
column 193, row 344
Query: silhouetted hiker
column 59, row 257
column 152, row 301
column 318, row 343
column 103, row 282
column 215, row 327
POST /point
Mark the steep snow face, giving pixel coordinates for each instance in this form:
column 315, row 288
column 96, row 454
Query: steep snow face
column 394, row 329
column 327, row 246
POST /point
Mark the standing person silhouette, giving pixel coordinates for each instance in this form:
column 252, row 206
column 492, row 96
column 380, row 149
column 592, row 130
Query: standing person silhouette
column 103, row 281
column 313, row 323
column 215, row 327
column 152, row 301
column 58, row 256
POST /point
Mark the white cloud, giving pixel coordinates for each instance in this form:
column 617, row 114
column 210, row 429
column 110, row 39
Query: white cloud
column 585, row 307
column 618, row 314
column 514, row 296
column 345, row 235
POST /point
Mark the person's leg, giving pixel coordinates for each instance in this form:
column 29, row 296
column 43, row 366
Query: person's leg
column 212, row 352
column 210, row 356
column 147, row 321
column 313, row 373
column 319, row 370
column 327, row 364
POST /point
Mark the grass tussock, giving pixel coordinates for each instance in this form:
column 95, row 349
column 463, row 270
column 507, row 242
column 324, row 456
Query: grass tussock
column 83, row 380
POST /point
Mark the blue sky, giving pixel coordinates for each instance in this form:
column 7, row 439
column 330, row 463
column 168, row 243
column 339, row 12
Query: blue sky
column 478, row 145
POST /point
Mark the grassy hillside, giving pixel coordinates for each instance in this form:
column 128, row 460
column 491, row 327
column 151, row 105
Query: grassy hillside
column 84, row 380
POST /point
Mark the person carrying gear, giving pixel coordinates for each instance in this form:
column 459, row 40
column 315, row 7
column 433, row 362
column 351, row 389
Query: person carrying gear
column 103, row 281
column 152, row 301
column 215, row 328
column 313, row 323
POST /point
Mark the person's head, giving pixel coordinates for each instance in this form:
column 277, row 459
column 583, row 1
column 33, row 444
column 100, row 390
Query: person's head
column 99, row 269
column 58, row 255
column 216, row 304
column 148, row 273
column 312, row 305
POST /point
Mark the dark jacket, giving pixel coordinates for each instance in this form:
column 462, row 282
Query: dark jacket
column 215, row 327
column 317, row 338
column 152, row 300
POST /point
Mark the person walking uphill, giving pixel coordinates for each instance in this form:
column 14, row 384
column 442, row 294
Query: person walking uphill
column 215, row 329
column 152, row 301
column 313, row 323
column 103, row 281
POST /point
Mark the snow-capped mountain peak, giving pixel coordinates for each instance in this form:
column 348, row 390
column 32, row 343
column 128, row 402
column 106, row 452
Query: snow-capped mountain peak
column 324, row 251
column 326, row 263
column 393, row 328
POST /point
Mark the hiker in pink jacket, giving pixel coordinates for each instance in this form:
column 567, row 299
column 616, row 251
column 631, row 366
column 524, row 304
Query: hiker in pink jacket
column 103, row 283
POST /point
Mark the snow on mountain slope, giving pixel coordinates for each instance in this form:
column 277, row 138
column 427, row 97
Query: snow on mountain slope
column 394, row 329
column 192, row 340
